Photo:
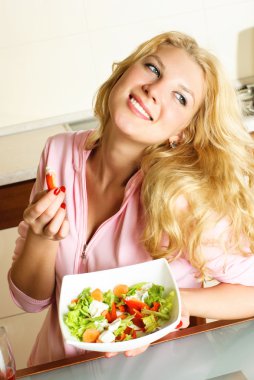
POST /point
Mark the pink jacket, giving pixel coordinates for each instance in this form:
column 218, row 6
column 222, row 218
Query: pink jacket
column 115, row 243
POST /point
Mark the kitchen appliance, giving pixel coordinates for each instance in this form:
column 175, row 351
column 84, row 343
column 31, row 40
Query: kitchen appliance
column 245, row 91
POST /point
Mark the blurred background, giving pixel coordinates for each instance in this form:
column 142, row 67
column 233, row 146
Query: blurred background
column 54, row 54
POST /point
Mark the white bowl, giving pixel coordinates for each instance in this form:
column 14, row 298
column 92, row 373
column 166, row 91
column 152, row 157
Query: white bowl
column 156, row 271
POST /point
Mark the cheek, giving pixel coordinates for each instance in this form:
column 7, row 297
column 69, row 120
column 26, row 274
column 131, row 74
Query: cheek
column 117, row 93
column 115, row 108
column 112, row 100
column 175, row 120
column 173, row 116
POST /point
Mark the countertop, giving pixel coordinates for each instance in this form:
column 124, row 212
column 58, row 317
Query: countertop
column 217, row 350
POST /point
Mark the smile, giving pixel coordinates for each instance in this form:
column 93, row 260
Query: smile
column 139, row 108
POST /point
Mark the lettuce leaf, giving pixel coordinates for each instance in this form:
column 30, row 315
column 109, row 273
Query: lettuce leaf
column 164, row 312
column 124, row 323
column 150, row 323
column 109, row 298
column 133, row 288
column 155, row 294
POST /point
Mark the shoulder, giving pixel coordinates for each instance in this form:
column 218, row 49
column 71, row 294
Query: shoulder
column 64, row 153
column 66, row 147
column 68, row 139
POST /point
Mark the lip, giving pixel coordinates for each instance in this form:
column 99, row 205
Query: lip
column 142, row 105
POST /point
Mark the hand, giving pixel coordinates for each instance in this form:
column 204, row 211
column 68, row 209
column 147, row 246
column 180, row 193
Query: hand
column 129, row 353
column 185, row 315
column 46, row 215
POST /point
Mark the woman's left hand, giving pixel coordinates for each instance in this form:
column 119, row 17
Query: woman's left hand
column 185, row 315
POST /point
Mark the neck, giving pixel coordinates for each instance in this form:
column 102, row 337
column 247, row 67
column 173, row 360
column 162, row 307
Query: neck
column 115, row 161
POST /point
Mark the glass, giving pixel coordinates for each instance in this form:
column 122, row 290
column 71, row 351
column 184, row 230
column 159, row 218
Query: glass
column 7, row 361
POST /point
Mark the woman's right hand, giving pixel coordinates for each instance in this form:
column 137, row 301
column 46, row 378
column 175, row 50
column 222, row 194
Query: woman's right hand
column 46, row 215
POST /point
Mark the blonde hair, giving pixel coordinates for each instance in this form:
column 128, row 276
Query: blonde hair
column 211, row 169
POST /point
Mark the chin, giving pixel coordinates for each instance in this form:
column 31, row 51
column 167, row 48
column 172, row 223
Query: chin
column 124, row 124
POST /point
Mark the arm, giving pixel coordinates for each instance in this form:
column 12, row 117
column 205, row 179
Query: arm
column 233, row 297
column 33, row 272
column 222, row 301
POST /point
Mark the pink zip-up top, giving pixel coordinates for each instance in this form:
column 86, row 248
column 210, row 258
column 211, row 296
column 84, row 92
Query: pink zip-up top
column 116, row 242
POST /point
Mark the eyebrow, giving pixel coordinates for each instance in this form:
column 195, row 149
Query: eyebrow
column 184, row 88
column 157, row 58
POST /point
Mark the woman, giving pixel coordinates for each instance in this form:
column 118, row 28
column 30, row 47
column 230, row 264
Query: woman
column 169, row 173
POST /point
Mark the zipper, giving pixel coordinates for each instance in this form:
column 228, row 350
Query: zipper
column 83, row 254
column 85, row 245
column 82, row 177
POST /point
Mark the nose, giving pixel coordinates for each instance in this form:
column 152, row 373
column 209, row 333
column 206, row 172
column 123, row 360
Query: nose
column 151, row 91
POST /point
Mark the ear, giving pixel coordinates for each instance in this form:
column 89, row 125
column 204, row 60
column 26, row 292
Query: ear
column 177, row 138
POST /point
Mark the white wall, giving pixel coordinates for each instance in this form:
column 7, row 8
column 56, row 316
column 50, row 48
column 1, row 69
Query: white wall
column 55, row 53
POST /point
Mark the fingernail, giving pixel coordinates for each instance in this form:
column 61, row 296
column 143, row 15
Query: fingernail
column 63, row 189
column 179, row 325
column 57, row 191
column 63, row 205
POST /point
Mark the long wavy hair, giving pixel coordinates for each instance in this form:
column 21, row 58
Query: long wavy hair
column 211, row 170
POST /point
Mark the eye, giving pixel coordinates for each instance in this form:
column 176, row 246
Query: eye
column 153, row 68
column 182, row 100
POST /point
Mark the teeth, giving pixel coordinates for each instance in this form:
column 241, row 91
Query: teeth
column 139, row 108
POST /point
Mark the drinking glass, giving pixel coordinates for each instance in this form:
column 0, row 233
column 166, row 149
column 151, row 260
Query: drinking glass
column 7, row 361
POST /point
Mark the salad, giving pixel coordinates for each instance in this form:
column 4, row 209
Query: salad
column 124, row 313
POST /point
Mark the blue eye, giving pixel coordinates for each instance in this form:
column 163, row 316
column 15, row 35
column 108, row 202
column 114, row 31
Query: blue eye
column 182, row 100
column 154, row 69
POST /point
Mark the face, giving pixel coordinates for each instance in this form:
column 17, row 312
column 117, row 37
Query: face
column 156, row 98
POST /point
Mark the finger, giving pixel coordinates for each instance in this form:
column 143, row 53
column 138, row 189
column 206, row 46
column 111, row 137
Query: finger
column 38, row 196
column 63, row 231
column 136, row 352
column 53, row 227
column 185, row 322
column 110, row 354
column 47, row 216
column 34, row 210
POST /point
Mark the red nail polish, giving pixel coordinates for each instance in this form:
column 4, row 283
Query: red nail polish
column 179, row 325
column 57, row 191
column 63, row 205
column 63, row 189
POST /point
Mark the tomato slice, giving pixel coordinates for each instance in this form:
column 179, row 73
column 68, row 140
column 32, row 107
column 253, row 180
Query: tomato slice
column 138, row 322
column 136, row 304
column 113, row 312
column 156, row 306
